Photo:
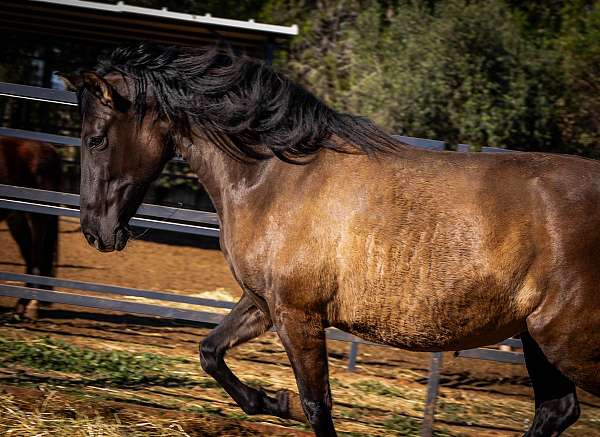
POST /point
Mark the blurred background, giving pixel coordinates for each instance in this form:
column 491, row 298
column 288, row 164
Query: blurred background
column 522, row 75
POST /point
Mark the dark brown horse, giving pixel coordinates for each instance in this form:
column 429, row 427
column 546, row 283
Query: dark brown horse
column 35, row 165
column 328, row 221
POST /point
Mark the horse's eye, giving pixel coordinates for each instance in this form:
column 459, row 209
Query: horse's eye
column 97, row 143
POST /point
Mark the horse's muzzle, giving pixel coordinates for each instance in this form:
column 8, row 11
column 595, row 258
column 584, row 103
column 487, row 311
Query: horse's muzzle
column 119, row 240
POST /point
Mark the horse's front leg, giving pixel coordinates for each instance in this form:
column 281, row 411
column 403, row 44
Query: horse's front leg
column 303, row 336
column 245, row 322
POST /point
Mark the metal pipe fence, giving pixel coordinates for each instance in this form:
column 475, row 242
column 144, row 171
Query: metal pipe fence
column 174, row 220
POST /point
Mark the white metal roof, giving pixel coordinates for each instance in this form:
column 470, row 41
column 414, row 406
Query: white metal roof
column 206, row 19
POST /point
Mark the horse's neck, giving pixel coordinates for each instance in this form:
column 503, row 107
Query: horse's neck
column 226, row 180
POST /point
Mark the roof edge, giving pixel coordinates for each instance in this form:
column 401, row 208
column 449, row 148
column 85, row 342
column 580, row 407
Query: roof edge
column 206, row 19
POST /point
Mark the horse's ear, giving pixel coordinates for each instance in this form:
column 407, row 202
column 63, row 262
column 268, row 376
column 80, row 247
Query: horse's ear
column 72, row 82
column 99, row 87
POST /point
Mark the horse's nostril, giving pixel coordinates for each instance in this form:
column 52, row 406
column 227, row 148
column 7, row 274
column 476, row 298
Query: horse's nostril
column 90, row 238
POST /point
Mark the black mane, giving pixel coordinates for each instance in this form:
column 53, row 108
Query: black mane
column 247, row 107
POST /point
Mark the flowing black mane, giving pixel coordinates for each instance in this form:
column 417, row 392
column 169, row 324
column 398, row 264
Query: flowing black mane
column 249, row 108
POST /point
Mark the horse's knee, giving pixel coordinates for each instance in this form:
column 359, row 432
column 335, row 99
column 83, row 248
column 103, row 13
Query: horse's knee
column 554, row 416
column 317, row 413
column 209, row 356
column 574, row 411
column 567, row 410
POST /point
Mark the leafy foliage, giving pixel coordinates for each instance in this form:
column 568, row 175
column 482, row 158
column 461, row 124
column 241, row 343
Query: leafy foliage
column 579, row 106
column 508, row 74
column 512, row 73
column 455, row 74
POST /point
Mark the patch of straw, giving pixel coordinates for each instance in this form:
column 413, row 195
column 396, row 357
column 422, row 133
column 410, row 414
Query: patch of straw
column 41, row 422
column 219, row 294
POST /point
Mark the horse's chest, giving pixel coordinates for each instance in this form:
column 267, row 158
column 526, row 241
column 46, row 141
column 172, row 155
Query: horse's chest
column 249, row 265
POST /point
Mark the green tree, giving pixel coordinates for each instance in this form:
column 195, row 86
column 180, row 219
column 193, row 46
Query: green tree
column 320, row 55
column 502, row 73
column 579, row 106
column 462, row 73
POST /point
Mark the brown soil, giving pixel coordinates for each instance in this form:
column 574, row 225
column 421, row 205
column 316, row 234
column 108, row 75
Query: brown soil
column 383, row 397
column 142, row 264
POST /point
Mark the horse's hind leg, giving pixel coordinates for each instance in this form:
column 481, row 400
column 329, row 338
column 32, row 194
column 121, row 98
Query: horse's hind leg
column 245, row 322
column 44, row 231
column 21, row 232
column 556, row 405
column 303, row 336
column 42, row 253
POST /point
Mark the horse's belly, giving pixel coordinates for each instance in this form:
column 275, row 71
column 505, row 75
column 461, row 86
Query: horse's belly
column 427, row 339
column 456, row 322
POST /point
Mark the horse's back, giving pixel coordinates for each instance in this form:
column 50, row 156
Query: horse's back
column 32, row 164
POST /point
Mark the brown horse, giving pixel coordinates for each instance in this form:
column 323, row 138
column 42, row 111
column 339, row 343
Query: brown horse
column 35, row 165
column 328, row 221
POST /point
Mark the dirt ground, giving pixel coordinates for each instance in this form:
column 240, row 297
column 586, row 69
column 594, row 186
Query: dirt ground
column 384, row 396
column 142, row 264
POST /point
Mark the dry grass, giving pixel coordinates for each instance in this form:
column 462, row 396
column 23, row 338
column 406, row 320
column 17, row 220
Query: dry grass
column 45, row 421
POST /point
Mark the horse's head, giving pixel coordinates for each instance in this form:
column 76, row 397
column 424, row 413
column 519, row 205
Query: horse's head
column 121, row 155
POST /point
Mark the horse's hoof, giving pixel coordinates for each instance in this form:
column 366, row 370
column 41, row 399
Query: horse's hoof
column 31, row 313
column 27, row 311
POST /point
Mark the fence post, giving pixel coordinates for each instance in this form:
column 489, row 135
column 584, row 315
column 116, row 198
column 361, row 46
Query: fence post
column 432, row 391
column 352, row 356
